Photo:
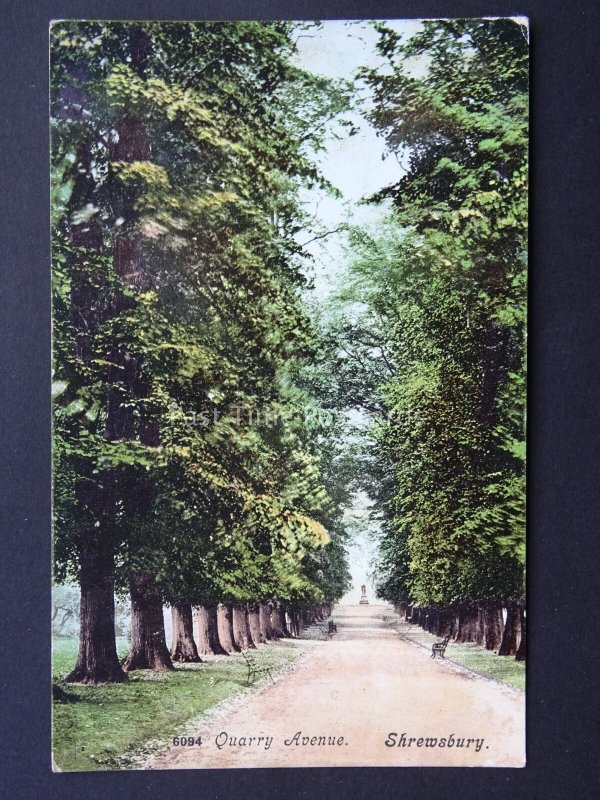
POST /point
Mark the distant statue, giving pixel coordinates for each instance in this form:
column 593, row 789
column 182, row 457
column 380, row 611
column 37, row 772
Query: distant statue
column 363, row 589
column 363, row 596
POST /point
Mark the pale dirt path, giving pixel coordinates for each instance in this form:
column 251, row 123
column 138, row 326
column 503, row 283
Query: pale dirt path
column 363, row 684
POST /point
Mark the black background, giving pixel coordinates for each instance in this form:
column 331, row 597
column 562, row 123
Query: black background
column 562, row 710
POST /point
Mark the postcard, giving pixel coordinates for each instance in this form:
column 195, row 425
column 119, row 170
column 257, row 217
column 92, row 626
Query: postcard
column 289, row 293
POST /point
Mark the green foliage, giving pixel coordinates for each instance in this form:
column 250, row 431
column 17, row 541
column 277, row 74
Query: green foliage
column 178, row 150
column 438, row 299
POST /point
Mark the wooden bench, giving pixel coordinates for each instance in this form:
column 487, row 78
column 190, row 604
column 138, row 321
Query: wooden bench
column 440, row 647
column 254, row 670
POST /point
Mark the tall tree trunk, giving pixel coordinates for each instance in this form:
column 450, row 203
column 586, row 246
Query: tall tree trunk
column 286, row 621
column 467, row 624
column 521, row 654
column 440, row 621
column 290, row 622
column 432, row 620
column 493, row 627
column 207, row 637
column 512, row 631
column 264, row 613
column 225, row 627
column 183, row 646
column 294, row 622
column 479, row 630
column 307, row 618
column 455, row 622
column 241, row 629
column 148, row 645
column 97, row 660
column 445, row 622
column 300, row 624
column 254, row 624
column 278, row 620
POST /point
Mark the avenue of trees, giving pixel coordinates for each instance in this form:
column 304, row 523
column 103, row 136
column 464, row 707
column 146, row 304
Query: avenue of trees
column 192, row 465
column 428, row 334
column 177, row 153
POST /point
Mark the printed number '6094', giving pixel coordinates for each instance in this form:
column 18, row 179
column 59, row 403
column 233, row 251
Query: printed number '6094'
column 186, row 741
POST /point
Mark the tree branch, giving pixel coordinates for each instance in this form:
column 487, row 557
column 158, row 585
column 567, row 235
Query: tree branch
column 323, row 235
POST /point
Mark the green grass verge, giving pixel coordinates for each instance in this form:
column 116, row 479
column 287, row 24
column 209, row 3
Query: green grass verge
column 503, row 669
column 113, row 726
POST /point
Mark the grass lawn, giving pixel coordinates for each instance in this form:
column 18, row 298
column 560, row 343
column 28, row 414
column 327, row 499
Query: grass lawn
column 113, row 726
column 503, row 669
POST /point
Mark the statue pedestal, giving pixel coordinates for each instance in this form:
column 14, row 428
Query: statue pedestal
column 363, row 600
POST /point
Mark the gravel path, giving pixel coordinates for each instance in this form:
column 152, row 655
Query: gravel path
column 354, row 693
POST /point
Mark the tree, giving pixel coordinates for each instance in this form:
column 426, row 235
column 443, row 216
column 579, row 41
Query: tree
column 176, row 160
column 437, row 299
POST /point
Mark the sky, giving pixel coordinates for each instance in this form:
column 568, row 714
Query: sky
column 357, row 166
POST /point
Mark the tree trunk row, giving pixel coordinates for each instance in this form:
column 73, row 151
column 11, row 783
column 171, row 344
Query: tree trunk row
column 219, row 629
column 482, row 624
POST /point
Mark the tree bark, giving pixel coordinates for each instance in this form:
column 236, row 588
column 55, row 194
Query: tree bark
column 290, row 622
column 278, row 620
column 148, row 645
column 97, row 660
column 265, row 622
column 254, row 624
column 294, row 625
column 493, row 627
column 479, row 630
column 183, row 646
column 467, row 624
column 455, row 623
column 445, row 622
column 431, row 620
column 307, row 618
column 241, row 629
column 521, row 653
column 225, row 627
column 207, row 637
column 512, row 631
column 300, row 622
